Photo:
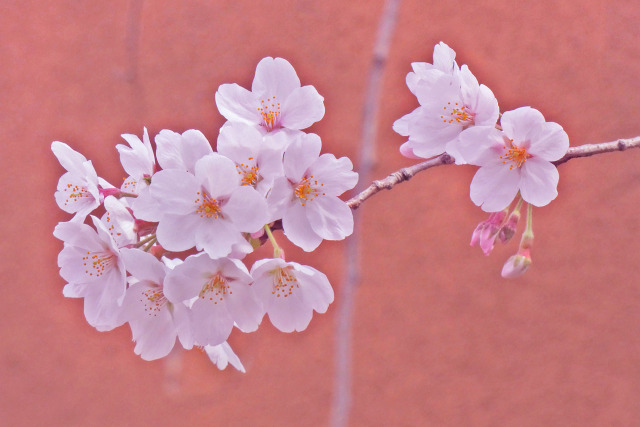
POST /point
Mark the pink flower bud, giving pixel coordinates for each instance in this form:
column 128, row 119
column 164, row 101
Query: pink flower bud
column 486, row 232
column 517, row 264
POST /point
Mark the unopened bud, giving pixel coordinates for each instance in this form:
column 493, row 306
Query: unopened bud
column 517, row 264
column 486, row 232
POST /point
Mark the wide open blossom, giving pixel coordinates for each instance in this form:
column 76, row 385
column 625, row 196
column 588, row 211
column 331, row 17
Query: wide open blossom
column 209, row 210
column 518, row 158
column 91, row 264
column 306, row 198
column 451, row 100
column 221, row 294
column 155, row 322
column 276, row 99
column 79, row 190
column 290, row 292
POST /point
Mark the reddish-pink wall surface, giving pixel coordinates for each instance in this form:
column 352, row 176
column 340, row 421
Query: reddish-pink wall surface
column 439, row 337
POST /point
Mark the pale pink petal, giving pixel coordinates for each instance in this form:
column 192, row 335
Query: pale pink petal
column 247, row 209
column 297, row 228
column 279, row 198
column 143, row 266
column 300, row 154
column 238, row 141
column 444, row 58
column 486, row 108
column 401, row 125
column 275, row 77
column 243, row 306
column 480, row 145
column 302, row 108
column 330, row 218
column 519, row 124
column 539, row 182
column 222, row 354
column 217, row 174
column 69, row 159
column 336, row 175
column 186, row 280
column 177, row 151
column 237, row 104
column 550, row 143
column 177, row 232
column 217, row 237
column 494, row 187
column 289, row 314
column 317, row 292
column 212, row 323
column 175, row 191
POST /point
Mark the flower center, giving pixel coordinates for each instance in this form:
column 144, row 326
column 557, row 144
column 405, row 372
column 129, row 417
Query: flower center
column 97, row 263
column 516, row 155
column 207, row 207
column 269, row 109
column 216, row 288
column 284, row 282
column 249, row 174
column 307, row 189
column 457, row 114
column 75, row 193
column 155, row 301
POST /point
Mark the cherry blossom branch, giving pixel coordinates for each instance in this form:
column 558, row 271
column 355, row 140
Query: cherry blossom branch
column 588, row 150
column 405, row 174
column 402, row 175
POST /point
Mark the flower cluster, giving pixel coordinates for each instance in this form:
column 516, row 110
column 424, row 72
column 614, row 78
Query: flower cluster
column 459, row 117
column 267, row 173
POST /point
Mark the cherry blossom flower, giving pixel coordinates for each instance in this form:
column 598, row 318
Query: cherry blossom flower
column 290, row 292
column 222, row 354
column 209, row 210
column 518, row 158
column 90, row 261
column 79, row 190
column 221, row 293
column 155, row 322
column 258, row 159
column 306, row 198
column 451, row 100
column 276, row 99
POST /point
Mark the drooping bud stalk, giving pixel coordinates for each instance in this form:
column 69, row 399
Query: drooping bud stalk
column 509, row 228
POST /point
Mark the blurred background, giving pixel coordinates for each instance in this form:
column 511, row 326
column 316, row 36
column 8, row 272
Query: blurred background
column 439, row 338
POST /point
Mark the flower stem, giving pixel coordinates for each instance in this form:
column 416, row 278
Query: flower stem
column 277, row 250
column 527, row 237
column 146, row 240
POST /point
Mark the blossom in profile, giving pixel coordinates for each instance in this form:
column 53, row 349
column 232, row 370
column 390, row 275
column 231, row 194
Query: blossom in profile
column 451, row 100
column 290, row 292
column 516, row 158
column 306, row 198
column 276, row 100
column 155, row 322
column 91, row 264
column 79, row 189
